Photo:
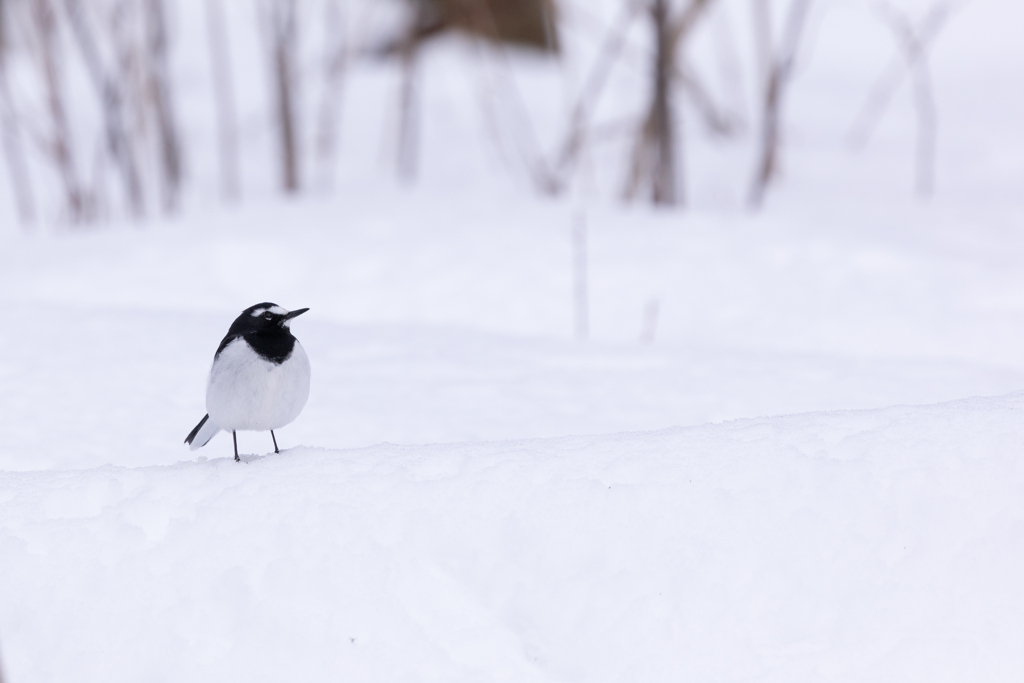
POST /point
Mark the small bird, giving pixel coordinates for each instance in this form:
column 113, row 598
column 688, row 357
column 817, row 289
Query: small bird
column 259, row 379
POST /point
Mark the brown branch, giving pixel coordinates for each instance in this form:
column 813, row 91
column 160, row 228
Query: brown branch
column 663, row 179
column 654, row 153
column 777, row 67
column 284, row 34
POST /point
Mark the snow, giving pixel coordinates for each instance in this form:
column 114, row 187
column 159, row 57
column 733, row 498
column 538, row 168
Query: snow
column 428, row 329
column 431, row 519
column 867, row 545
column 812, row 472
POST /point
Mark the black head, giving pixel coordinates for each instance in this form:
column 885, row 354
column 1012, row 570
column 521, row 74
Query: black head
column 265, row 327
column 265, row 317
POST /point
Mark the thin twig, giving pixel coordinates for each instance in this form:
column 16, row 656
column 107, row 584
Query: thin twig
column 777, row 70
column 335, row 63
column 913, row 44
column 17, row 164
column 591, row 92
column 160, row 93
column 224, row 99
column 111, row 99
column 581, row 304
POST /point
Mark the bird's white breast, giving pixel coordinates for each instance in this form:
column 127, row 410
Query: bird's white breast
column 247, row 392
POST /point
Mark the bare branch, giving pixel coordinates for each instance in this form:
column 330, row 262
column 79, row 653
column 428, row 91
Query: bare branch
column 119, row 143
column 281, row 20
column 584, row 108
column 335, row 62
column 525, row 140
column 777, row 70
column 14, row 153
column 913, row 43
column 159, row 86
column 663, row 180
column 408, row 110
column 224, row 97
column 718, row 122
column 686, row 20
column 654, row 153
column 581, row 304
column 58, row 146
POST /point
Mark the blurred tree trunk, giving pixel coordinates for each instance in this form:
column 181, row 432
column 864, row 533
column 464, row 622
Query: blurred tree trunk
column 334, row 68
column 408, row 100
column 159, row 87
column 224, row 98
column 119, row 142
column 59, row 146
column 14, row 153
column 283, row 30
column 776, row 71
column 663, row 172
column 654, row 153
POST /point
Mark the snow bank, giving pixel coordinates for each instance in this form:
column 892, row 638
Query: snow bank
column 875, row 545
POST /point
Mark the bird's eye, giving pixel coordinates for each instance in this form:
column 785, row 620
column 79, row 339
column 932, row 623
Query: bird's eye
column 268, row 316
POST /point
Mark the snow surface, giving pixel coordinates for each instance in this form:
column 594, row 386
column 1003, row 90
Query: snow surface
column 473, row 495
column 424, row 328
column 883, row 545
column 878, row 545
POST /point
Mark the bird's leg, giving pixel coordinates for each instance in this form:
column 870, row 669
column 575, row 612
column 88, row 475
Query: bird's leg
column 235, row 437
column 275, row 441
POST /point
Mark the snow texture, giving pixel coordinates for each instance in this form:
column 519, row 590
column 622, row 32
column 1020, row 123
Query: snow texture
column 881, row 545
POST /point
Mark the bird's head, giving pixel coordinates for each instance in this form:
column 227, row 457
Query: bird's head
column 267, row 317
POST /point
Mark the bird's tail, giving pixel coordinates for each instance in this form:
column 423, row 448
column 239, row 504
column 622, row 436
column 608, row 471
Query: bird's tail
column 201, row 435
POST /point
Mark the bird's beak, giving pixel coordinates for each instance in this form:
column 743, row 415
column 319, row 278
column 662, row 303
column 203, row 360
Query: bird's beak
column 292, row 314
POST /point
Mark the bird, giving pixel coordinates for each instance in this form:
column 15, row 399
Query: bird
column 259, row 379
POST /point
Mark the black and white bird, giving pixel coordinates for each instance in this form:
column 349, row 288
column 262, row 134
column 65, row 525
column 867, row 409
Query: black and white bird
column 259, row 379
